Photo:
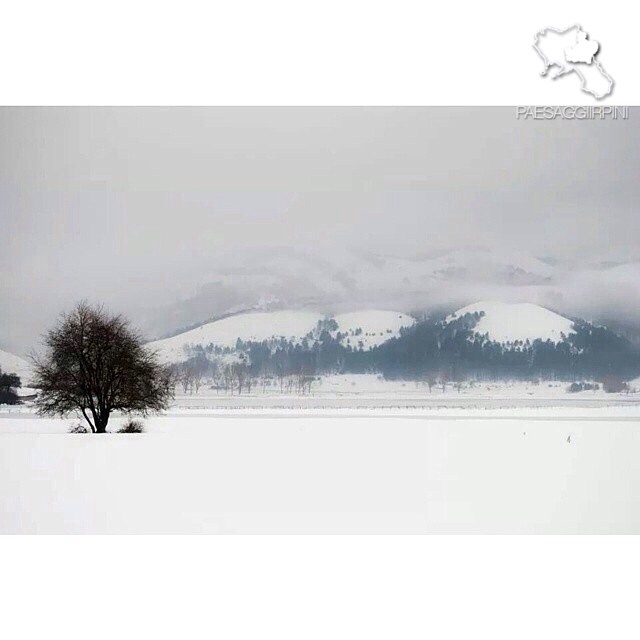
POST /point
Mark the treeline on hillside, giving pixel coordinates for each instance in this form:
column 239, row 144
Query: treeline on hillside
column 455, row 349
column 431, row 348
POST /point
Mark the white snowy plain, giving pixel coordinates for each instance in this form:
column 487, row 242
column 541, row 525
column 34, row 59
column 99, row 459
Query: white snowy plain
column 547, row 470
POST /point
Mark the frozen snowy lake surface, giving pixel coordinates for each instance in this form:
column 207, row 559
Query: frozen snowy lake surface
column 411, row 470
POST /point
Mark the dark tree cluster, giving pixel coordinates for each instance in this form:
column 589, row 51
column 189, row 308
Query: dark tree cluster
column 454, row 348
column 9, row 382
column 432, row 347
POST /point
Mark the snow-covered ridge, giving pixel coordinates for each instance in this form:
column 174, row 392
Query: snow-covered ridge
column 10, row 363
column 246, row 326
column 371, row 326
column 510, row 322
column 376, row 326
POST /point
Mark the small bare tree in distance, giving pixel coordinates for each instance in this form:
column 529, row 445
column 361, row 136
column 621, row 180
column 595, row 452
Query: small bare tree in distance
column 96, row 364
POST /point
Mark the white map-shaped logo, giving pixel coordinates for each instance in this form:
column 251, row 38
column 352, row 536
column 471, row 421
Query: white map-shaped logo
column 570, row 51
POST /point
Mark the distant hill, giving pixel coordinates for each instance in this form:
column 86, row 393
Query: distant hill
column 10, row 363
column 284, row 278
column 360, row 329
column 255, row 327
column 372, row 327
column 497, row 340
column 485, row 340
column 511, row 322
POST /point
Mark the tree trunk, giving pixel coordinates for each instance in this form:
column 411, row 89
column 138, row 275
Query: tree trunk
column 101, row 424
column 86, row 417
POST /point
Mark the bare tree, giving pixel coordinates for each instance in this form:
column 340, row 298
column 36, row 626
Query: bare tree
column 227, row 378
column 185, row 376
column 200, row 366
column 241, row 374
column 197, row 379
column 96, row 364
column 444, row 378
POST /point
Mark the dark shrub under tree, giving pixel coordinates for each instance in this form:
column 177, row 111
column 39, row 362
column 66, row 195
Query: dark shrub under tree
column 132, row 426
column 96, row 364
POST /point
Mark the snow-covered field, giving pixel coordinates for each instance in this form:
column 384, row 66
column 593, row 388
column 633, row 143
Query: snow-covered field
column 352, row 391
column 555, row 470
column 374, row 385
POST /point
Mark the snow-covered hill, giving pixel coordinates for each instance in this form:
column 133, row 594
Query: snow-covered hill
column 10, row 363
column 604, row 294
column 463, row 265
column 508, row 322
column 372, row 327
column 286, row 278
column 246, row 326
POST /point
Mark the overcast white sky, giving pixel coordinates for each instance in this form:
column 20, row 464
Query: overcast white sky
column 130, row 205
